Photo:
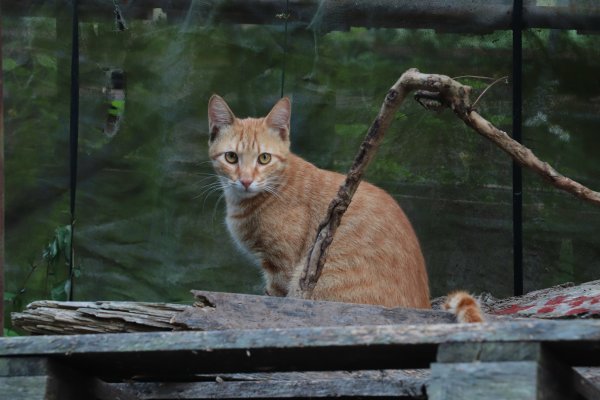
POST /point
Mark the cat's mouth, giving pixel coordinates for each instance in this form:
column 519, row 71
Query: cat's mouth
column 246, row 189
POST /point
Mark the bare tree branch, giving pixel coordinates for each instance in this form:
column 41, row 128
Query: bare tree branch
column 434, row 92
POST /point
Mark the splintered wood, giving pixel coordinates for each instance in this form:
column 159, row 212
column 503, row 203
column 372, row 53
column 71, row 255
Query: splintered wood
column 219, row 311
column 55, row 317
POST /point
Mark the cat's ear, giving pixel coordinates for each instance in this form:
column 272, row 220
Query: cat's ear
column 219, row 115
column 279, row 118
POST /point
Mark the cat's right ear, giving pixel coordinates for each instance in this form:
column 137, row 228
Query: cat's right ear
column 279, row 118
column 219, row 116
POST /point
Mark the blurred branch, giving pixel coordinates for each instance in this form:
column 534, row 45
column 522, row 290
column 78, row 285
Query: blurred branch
column 455, row 96
column 433, row 92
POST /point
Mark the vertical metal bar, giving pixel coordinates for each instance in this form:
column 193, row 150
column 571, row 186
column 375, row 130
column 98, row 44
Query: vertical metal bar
column 285, row 44
column 1, row 188
column 517, row 59
column 73, row 133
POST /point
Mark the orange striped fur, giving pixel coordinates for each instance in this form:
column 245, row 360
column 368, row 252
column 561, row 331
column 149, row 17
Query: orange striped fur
column 274, row 209
column 464, row 306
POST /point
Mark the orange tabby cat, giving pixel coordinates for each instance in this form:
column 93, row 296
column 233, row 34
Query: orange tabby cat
column 276, row 200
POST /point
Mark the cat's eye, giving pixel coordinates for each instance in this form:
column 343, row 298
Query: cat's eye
column 264, row 158
column 231, row 157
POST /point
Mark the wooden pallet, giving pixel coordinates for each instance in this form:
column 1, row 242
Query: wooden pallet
column 525, row 359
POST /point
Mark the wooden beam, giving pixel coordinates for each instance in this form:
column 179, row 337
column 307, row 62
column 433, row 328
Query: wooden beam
column 479, row 16
column 499, row 371
column 587, row 382
column 305, row 388
column 56, row 317
column 243, row 311
column 302, row 349
column 218, row 311
column 41, row 378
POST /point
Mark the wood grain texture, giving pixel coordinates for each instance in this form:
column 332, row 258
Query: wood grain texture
column 587, row 382
column 218, row 311
column 414, row 389
column 483, row 381
column 240, row 311
column 23, row 387
column 300, row 349
column 499, row 370
column 53, row 317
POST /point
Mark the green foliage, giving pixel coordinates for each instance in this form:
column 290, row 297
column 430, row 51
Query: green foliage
column 8, row 64
column 10, row 332
column 57, row 256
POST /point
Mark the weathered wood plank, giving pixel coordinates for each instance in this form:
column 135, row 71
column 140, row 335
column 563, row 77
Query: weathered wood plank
column 53, row 317
column 483, row 381
column 23, row 387
column 574, row 332
column 491, row 371
column 587, row 382
column 212, row 311
column 42, row 378
column 218, row 311
column 243, row 311
column 488, row 351
column 301, row 349
column 475, row 16
column 414, row 389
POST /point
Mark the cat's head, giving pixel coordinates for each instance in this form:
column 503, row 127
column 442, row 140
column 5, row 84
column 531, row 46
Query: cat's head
column 248, row 154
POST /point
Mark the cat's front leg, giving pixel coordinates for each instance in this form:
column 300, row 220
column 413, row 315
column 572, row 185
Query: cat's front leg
column 276, row 284
column 294, row 289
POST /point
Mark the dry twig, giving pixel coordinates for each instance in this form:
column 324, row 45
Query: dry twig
column 433, row 91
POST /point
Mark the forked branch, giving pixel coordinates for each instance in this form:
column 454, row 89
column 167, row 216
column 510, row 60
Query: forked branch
column 433, row 92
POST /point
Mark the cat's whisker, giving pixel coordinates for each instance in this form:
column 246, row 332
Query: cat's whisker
column 269, row 189
column 203, row 162
column 209, row 189
column 203, row 180
column 216, row 205
column 207, row 173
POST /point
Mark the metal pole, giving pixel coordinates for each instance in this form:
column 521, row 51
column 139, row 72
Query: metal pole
column 1, row 187
column 517, row 30
column 73, row 136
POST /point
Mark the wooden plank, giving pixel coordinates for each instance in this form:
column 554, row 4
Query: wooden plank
column 23, row 387
column 413, row 389
column 518, row 370
column 41, row 378
column 488, row 351
column 587, row 382
column 301, row 349
column 483, row 381
column 213, row 311
column 55, row 317
column 242, row 311
column 23, row 366
column 477, row 16
column 218, row 311
column 559, row 332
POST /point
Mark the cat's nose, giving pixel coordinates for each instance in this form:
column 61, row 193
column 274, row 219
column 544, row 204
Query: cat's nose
column 246, row 183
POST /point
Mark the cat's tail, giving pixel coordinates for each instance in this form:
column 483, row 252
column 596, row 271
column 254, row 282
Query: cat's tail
column 464, row 306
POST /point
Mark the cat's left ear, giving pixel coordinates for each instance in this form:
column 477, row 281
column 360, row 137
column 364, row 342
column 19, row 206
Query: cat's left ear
column 219, row 115
column 279, row 118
